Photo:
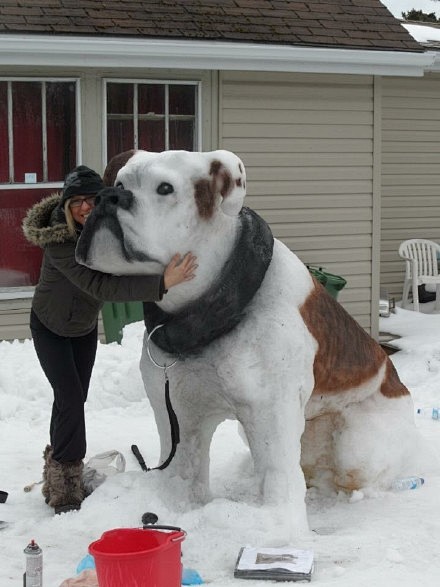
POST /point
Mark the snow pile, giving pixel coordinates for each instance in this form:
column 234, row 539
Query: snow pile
column 369, row 537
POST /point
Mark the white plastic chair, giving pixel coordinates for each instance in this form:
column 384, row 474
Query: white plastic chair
column 421, row 258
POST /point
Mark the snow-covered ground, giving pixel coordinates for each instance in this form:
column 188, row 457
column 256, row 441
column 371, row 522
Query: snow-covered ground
column 369, row 538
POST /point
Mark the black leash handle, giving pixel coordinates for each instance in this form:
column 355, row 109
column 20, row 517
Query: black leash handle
column 137, row 453
column 175, row 434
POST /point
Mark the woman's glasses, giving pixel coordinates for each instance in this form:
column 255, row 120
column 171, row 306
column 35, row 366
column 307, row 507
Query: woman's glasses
column 77, row 202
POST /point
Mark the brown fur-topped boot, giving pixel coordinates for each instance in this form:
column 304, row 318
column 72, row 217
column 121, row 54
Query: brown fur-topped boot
column 66, row 491
column 45, row 490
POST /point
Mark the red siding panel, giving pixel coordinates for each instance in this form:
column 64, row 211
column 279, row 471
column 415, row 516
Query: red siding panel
column 28, row 152
column 19, row 260
column 61, row 129
column 4, row 153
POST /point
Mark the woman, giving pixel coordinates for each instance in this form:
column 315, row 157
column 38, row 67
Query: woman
column 63, row 322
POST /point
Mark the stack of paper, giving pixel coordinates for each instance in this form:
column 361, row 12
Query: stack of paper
column 275, row 564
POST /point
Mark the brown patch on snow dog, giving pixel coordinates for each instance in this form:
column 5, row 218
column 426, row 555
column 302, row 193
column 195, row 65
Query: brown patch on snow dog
column 347, row 356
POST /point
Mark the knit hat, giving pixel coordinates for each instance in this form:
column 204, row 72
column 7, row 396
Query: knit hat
column 81, row 181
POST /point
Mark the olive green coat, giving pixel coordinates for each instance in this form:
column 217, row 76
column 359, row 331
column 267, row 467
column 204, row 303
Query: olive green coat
column 69, row 296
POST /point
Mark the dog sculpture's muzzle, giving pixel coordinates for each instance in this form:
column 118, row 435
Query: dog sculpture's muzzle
column 109, row 199
column 104, row 216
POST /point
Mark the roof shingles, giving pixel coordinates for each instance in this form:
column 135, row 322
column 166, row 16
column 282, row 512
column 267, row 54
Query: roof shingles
column 361, row 24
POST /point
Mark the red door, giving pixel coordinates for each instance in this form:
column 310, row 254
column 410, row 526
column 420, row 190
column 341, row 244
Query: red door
column 37, row 149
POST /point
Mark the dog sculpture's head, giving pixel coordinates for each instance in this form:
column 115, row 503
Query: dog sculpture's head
column 159, row 204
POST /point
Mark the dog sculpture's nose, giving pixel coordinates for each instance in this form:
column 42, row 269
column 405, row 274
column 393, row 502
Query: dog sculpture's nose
column 109, row 199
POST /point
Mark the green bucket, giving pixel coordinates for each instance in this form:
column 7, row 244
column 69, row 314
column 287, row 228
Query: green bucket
column 332, row 283
column 117, row 315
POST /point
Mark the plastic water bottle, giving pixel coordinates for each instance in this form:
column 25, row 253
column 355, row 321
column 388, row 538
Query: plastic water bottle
column 403, row 483
column 433, row 413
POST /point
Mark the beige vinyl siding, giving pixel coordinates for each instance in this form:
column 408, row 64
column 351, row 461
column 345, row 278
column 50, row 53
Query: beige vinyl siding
column 410, row 170
column 307, row 144
column 14, row 320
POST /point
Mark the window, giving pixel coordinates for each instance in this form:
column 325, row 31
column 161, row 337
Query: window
column 37, row 130
column 38, row 146
column 155, row 116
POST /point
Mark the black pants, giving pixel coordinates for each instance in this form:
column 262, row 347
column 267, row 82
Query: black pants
column 67, row 363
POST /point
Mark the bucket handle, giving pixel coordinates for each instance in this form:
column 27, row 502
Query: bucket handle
column 161, row 527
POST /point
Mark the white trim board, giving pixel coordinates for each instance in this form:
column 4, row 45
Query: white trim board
column 118, row 52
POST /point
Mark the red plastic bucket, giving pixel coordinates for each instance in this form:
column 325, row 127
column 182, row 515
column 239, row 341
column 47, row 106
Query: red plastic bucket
column 136, row 557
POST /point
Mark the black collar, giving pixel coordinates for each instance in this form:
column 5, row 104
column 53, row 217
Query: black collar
column 223, row 306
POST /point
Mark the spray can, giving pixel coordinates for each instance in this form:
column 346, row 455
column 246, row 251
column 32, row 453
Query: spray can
column 33, row 576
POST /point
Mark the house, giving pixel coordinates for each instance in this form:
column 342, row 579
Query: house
column 410, row 172
column 333, row 107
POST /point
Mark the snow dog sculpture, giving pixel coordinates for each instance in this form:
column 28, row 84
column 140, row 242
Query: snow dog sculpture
column 256, row 337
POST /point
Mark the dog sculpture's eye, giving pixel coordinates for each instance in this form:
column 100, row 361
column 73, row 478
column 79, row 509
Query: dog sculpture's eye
column 119, row 185
column 165, row 188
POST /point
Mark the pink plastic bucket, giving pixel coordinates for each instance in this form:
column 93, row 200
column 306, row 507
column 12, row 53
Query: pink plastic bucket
column 135, row 557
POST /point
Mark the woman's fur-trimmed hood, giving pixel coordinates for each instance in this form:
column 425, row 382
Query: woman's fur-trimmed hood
column 39, row 226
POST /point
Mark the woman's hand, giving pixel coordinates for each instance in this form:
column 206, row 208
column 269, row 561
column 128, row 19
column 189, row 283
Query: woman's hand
column 179, row 269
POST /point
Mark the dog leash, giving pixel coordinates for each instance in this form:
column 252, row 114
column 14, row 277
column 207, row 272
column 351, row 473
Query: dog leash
column 174, row 423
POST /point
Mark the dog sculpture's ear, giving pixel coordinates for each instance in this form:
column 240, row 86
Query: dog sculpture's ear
column 229, row 178
column 114, row 165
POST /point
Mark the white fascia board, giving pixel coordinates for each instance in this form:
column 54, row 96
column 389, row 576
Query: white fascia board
column 117, row 52
column 435, row 66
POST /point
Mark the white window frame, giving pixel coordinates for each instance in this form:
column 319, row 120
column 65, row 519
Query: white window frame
column 148, row 81
column 42, row 184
